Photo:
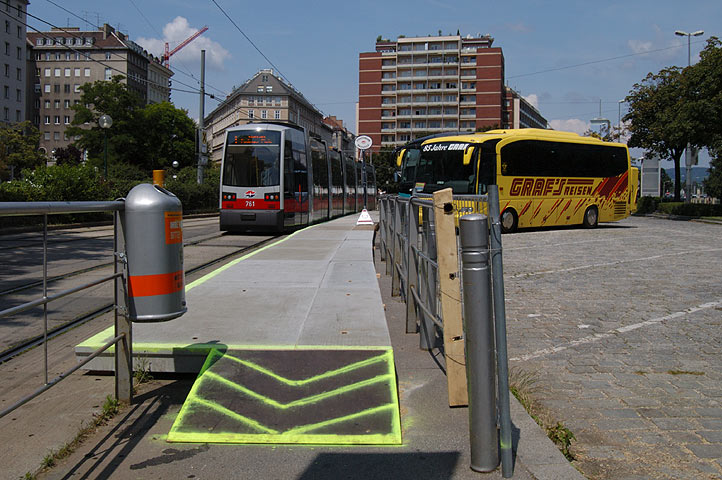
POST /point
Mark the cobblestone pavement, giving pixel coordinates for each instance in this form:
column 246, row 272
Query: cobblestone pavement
column 623, row 327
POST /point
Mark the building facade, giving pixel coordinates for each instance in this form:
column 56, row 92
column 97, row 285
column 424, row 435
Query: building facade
column 62, row 60
column 265, row 96
column 519, row 113
column 14, row 73
column 417, row 86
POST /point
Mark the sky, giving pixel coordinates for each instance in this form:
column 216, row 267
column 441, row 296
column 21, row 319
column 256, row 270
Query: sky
column 562, row 56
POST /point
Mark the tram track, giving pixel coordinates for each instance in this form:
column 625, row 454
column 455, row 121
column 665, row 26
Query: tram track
column 39, row 283
column 36, row 340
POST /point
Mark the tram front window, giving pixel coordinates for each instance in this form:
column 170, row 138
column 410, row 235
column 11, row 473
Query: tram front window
column 252, row 159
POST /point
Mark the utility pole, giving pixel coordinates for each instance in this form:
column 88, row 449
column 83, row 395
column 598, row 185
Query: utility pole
column 202, row 151
column 688, row 151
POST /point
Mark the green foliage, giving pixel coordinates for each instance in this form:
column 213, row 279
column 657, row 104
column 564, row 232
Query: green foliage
column 194, row 197
column 19, row 148
column 647, row 205
column 563, row 437
column 385, row 166
column 110, row 409
column 68, row 156
column 658, row 120
column 150, row 137
column 66, row 183
column 690, row 209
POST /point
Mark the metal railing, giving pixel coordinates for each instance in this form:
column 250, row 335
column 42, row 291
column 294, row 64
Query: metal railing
column 123, row 376
column 409, row 241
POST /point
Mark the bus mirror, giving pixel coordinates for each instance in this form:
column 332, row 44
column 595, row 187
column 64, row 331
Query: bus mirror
column 400, row 157
column 468, row 153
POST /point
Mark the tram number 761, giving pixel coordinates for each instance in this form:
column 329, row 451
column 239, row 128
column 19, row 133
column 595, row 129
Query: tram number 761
column 250, row 203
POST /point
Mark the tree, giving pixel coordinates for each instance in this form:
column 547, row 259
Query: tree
column 385, row 166
column 713, row 182
column 703, row 89
column 68, row 156
column 19, row 148
column 123, row 105
column 659, row 120
column 168, row 135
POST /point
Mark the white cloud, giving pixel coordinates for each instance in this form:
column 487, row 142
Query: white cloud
column 571, row 125
column 638, row 46
column 533, row 99
column 176, row 32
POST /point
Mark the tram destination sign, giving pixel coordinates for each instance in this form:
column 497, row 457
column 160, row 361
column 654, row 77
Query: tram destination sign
column 269, row 138
column 363, row 142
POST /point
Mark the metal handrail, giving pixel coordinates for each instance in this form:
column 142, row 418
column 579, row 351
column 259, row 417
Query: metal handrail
column 123, row 392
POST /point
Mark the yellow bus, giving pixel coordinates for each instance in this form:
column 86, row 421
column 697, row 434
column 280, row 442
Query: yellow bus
column 545, row 177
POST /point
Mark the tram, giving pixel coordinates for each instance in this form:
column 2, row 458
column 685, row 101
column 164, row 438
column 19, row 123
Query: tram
column 276, row 177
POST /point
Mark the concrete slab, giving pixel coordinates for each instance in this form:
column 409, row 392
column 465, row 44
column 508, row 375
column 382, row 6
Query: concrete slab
column 316, row 287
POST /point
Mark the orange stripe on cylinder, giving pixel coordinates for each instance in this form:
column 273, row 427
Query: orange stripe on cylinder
column 160, row 284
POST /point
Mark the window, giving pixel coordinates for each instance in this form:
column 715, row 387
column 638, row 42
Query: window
column 19, row 95
column 47, row 72
column 264, row 114
column 68, row 56
column 57, row 72
column 47, row 120
column 269, row 88
column 66, row 119
column 40, row 41
column 67, row 72
column 264, row 78
column 559, row 159
column 7, row 70
column 57, row 104
column 76, row 72
column 108, row 73
column 57, row 119
column 76, row 88
column 46, row 135
column 260, row 89
column 19, row 74
column 66, row 88
column 67, row 104
column 47, row 104
column 20, row 53
column 7, row 91
column 56, row 135
column 250, row 114
column 250, row 100
column 7, row 48
column 276, row 114
column 86, row 72
column 107, row 55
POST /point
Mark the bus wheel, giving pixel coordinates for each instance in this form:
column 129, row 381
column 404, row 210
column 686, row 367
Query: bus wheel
column 591, row 217
column 509, row 220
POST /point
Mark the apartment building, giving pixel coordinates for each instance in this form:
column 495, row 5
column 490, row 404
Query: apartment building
column 265, row 96
column 64, row 59
column 417, row 86
column 13, row 90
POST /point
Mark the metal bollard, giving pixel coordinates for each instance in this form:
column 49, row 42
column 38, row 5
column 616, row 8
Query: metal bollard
column 479, row 335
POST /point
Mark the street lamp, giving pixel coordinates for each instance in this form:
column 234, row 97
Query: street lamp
column 619, row 117
column 687, row 152
column 105, row 122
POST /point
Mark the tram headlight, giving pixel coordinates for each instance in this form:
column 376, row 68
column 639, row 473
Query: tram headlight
column 229, row 197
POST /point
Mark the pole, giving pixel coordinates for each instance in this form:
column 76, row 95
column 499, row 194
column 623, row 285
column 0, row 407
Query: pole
column 502, row 362
column 200, row 117
column 687, row 153
column 105, row 153
column 479, row 335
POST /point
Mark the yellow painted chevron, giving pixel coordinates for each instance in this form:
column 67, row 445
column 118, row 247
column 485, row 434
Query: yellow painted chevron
column 225, row 404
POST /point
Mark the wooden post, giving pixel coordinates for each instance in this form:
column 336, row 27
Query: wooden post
column 450, row 293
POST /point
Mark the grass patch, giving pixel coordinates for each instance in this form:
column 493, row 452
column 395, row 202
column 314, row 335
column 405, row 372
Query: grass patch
column 525, row 387
column 142, row 373
column 684, row 372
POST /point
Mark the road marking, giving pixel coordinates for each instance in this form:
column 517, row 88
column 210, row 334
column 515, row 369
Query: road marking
column 618, row 262
column 611, row 333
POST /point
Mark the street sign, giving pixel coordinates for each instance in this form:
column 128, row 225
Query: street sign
column 363, row 142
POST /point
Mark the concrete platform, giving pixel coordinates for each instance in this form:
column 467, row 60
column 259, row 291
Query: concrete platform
column 314, row 288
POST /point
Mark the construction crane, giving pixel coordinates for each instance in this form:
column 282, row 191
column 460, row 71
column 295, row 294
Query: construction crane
column 185, row 42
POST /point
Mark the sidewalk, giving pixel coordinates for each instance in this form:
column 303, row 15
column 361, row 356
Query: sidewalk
column 435, row 437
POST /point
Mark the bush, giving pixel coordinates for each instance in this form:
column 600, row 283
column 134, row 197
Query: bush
column 194, row 197
column 647, row 205
column 691, row 209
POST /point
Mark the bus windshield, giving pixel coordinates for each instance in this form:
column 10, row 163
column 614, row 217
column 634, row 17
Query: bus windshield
column 252, row 159
column 441, row 166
